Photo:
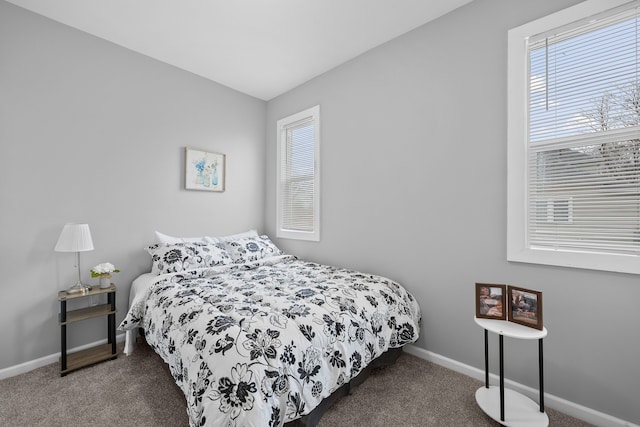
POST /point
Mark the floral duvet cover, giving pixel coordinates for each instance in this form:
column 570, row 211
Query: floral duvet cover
column 262, row 343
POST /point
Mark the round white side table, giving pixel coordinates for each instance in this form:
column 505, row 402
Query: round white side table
column 506, row 406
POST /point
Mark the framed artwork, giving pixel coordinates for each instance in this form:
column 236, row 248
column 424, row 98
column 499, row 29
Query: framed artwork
column 525, row 307
column 204, row 170
column 491, row 301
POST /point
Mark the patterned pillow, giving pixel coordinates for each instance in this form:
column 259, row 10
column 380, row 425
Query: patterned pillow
column 171, row 258
column 249, row 249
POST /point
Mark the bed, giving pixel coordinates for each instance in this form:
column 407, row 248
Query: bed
column 253, row 336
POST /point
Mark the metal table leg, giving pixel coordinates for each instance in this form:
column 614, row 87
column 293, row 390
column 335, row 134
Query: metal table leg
column 501, row 378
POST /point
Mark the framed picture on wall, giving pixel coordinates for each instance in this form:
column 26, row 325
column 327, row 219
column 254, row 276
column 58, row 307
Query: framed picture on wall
column 525, row 307
column 204, row 170
column 491, row 301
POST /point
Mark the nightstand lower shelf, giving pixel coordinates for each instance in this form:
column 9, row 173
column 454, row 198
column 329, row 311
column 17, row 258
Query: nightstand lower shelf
column 519, row 412
column 80, row 359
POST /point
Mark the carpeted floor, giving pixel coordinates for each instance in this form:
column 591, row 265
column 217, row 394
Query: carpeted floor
column 138, row 390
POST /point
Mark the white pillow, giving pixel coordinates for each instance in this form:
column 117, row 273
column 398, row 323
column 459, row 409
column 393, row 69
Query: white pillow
column 164, row 238
column 231, row 237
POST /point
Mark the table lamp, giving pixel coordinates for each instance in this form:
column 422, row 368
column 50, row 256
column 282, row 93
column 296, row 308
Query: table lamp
column 75, row 238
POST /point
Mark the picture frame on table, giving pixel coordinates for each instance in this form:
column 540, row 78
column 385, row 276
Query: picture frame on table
column 491, row 301
column 525, row 307
column 204, row 170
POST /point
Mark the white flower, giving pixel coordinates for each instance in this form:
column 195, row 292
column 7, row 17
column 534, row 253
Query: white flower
column 104, row 268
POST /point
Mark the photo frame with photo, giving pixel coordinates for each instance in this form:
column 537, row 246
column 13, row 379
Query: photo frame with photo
column 525, row 307
column 491, row 301
column 204, row 170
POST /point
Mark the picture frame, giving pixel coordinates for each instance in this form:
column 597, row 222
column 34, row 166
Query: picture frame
column 204, row 170
column 525, row 307
column 491, row 302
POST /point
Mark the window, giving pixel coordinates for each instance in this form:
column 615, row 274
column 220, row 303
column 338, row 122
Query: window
column 298, row 192
column 574, row 138
column 554, row 210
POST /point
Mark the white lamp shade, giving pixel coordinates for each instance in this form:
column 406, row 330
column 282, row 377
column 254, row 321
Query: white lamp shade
column 74, row 238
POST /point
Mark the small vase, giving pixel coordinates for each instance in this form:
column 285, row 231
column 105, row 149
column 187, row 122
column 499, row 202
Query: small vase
column 105, row 281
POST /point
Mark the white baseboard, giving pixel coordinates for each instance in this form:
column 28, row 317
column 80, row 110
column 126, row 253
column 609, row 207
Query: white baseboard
column 12, row 371
column 570, row 408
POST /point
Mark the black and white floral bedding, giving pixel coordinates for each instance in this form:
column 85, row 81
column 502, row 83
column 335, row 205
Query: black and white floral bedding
column 262, row 342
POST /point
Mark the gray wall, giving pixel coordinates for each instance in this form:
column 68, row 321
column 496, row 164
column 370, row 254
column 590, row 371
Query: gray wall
column 91, row 132
column 414, row 187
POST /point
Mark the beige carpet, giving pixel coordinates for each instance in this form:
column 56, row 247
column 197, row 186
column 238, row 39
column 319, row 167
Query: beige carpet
column 138, row 391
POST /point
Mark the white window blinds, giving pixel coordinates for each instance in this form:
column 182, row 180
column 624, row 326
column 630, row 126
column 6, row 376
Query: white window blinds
column 298, row 176
column 583, row 136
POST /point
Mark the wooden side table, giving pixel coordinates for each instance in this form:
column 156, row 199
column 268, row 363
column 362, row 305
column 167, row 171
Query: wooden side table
column 494, row 400
column 71, row 362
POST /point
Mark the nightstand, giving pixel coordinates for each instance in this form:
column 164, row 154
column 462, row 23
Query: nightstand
column 71, row 362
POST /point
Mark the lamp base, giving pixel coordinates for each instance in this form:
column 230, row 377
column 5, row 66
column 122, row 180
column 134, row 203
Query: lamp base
column 78, row 287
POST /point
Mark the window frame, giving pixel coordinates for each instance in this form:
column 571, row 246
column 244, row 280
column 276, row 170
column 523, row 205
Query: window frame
column 282, row 126
column 518, row 247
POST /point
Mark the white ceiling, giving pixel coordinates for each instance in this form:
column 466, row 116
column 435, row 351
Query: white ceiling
column 259, row 47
